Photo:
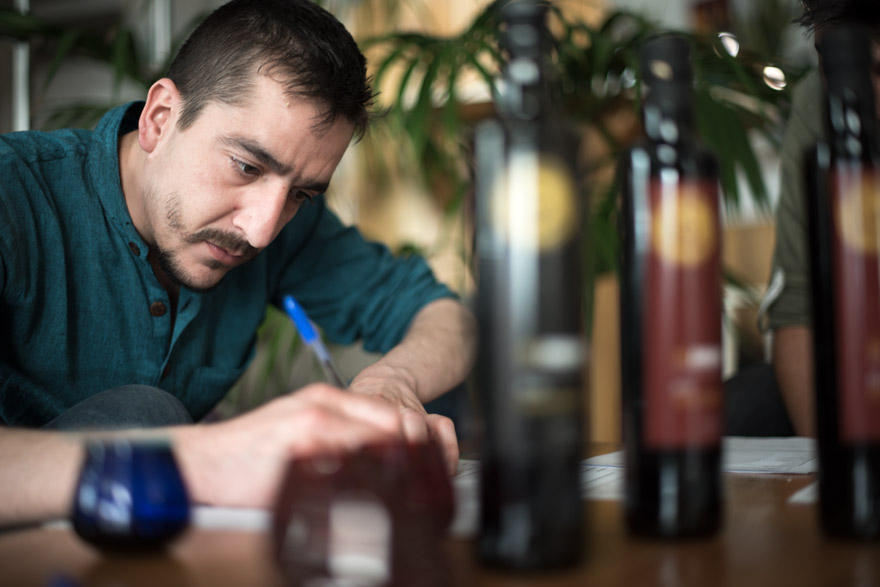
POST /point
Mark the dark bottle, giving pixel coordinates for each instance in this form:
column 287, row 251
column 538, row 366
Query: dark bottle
column 531, row 292
column 843, row 202
column 670, row 308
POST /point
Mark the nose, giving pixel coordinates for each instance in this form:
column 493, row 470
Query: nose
column 260, row 215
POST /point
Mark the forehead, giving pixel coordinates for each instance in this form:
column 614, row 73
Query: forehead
column 267, row 99
column 286, row 127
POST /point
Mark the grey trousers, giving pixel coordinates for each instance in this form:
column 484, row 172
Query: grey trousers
column 128, row 406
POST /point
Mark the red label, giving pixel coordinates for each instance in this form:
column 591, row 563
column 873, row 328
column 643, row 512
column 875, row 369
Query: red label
column 682, row 319
column 855, row 243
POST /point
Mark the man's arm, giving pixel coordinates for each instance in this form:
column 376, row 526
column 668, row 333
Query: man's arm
column 435, row 355
column 789, row 311
column 239, row 462
column 793, row 365
column 38, row 471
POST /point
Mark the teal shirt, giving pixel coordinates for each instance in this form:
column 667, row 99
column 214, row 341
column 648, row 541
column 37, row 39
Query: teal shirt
column 81, row 310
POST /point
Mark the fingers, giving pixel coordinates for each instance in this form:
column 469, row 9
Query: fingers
column 357, row 407
column 406, row 422
column 442, row 430
column 415, row 427
column 328, row 432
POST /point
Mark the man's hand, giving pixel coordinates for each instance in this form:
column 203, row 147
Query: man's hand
column 434, row 356
column 396, row 388
column 241, row 462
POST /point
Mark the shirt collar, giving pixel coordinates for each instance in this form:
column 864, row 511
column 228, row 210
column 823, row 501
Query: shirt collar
column 103, row 163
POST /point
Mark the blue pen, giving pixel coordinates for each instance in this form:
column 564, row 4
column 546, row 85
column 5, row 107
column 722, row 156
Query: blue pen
column 313, row 341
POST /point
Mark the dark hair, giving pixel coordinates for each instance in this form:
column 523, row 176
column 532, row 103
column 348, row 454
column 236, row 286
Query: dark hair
column 302, row 45
column 819, row 14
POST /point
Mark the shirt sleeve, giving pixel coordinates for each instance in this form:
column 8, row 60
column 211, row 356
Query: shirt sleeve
column 352, row 288
column 18, row 226
column 788, row 304
column 7, row 229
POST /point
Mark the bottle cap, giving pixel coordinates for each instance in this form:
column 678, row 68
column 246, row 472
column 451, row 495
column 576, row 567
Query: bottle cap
column 524, row 10
column 526, row 33
column 667, row 80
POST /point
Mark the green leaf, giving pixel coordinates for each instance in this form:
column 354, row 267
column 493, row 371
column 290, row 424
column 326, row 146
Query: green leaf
column 728, row 138
column 418, row 124
column 604, row 237
column 25, row 27
column 404, row 82
column 66, row 45
column 387, row 62
column 451, row 119
column 122, row 58
column 487, row 77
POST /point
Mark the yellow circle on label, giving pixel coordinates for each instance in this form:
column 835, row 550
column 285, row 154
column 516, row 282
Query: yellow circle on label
column 552, row 202
column 683, row 228
column 557, row 210
column 859, row 217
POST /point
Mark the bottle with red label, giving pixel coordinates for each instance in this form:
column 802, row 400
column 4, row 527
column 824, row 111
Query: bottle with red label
column 843, row 203
column 670, row 306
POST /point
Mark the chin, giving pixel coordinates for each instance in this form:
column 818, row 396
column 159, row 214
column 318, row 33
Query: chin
column 201, row 288
column 201, row 284
column 194, row 275
column 205, row 284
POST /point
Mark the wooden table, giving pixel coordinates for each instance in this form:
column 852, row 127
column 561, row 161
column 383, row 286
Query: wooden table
column 765, row 541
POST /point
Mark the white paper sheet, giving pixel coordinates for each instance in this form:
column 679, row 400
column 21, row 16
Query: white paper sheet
column 794, row 455
column 248, row 519
column 780, row 456
column 602, row 476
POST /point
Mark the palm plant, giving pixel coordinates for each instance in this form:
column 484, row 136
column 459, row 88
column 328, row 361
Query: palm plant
column 598, row 79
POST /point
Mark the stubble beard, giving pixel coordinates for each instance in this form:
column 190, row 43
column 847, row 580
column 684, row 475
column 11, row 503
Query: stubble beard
column 169, row 259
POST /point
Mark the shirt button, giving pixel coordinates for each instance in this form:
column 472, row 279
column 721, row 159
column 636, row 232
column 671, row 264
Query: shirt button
column 134, row 249
column 157, row 309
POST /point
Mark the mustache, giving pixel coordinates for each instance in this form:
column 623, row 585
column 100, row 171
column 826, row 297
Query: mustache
column 230, row 242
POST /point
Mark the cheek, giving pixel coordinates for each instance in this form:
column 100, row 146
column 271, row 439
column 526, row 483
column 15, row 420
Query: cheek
column 286, row 216
column 204, row 196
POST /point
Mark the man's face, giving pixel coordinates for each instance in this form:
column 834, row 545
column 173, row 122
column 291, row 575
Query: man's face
column 219, row 192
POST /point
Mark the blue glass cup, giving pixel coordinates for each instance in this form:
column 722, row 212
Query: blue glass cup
column 130, row 495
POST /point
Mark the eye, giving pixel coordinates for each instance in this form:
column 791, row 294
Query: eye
column 299, row 196
column 245, row 168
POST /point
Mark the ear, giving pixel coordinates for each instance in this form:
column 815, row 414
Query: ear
column 160, row 111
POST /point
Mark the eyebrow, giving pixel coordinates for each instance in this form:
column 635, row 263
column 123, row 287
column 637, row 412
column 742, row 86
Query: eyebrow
column 266, row 158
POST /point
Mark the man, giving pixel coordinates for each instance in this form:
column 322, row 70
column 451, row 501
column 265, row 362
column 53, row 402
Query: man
column 787, row 300
column 145, row 253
